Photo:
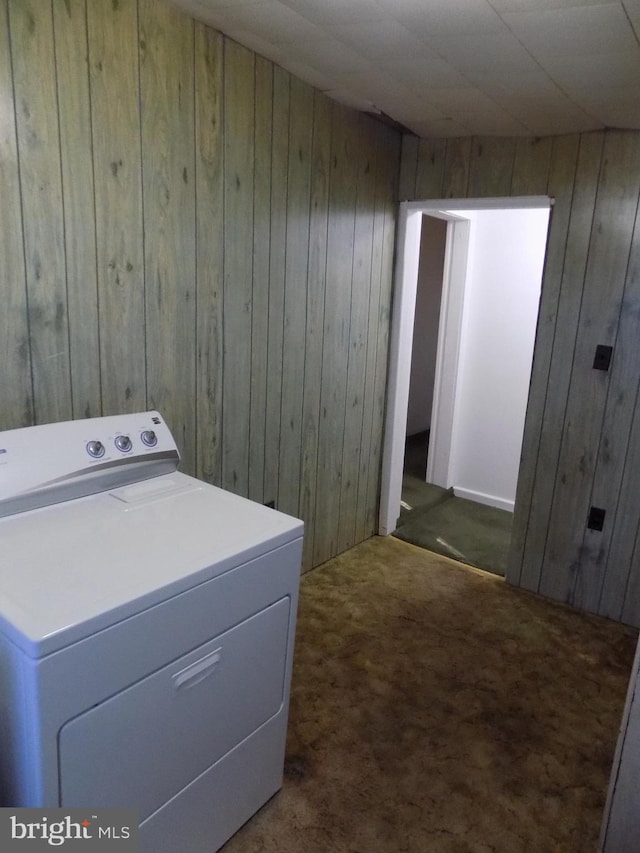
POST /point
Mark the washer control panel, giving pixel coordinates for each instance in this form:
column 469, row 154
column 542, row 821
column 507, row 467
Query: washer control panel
column 124, row 443
column 65, row 460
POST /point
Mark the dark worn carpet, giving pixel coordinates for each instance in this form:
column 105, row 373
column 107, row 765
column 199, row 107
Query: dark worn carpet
column 435, row 709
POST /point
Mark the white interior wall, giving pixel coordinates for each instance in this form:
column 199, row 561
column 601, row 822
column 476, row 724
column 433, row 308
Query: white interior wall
column 425, row 326
column 502, row 293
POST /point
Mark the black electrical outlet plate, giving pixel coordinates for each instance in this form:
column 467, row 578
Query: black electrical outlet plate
column 602, row 358
column 596, row 518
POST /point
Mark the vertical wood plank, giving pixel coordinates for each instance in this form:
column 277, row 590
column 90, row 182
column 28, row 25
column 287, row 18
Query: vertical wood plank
column 491, row 167
column 167, row 93
column 563, row 576
column 621, row 588
column 567, row 256
column 569, row 226
column 531, row 166
column 430, row 171
column 239, row 95
column 316, row 281
column 72, row 74
column 209, row 252
column 295, row 297
column 15, row 355
column 260, row 313
column 278, row 236
column 114, row 86
column 631, row 609
column 608, row 578
column 336, row 335
column 41, row 188
column 408, row 167
column 631, row 605
column 388, row 210
column 140, row 199
column 358, row 332
column 456, row 168
column 371, row 387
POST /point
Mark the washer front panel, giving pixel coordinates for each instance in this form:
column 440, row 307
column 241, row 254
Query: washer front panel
column 45, row 694
column 142, row 746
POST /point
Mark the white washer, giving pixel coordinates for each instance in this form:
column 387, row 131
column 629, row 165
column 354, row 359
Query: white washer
column 147, row 625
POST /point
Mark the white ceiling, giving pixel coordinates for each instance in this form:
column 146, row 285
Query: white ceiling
column 454, row 67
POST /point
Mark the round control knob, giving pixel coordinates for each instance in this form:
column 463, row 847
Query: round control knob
column 149, row 438
column 95, row 449
column 123, row 443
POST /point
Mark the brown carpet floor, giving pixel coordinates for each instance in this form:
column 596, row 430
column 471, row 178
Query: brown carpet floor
column 435, row 708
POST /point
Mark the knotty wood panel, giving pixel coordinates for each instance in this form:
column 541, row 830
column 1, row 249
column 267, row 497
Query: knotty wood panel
column 456, row 168
column 335, row 354
column 187, row 186
column 167, row 93
column 408, row 168
column 277, row 257
column 358, row 337
column 616, row 203
column 620, row 598
column 41, row 192
column 388, row 206
column 430, row 170
column 573, row 183
column 365, row 506
column 209, row 250
column 15, row 352
column 491, row 168
column 613, row 590
column 316, row 281
column 295, row 295
column 260, row 312
column 581, row 434
column 613, row 449
column 115, row 141
column 70, row 22
column 239, row 96
column 531, row 166
column 386, row 210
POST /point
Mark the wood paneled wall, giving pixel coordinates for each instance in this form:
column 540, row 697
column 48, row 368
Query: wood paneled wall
column 582, row 434
column 185, row 226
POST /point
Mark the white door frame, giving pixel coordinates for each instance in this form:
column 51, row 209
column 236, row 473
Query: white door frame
column 448, row 351
column 404, row 300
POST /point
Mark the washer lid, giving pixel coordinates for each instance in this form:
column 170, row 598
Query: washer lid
column 70, row 570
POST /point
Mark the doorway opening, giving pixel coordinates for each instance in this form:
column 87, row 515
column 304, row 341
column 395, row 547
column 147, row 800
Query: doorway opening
column 467, row 291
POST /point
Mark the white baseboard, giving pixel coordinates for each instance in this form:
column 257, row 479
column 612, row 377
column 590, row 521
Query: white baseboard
column 481, row 498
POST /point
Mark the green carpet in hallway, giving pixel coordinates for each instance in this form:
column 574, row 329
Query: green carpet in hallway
column 454, row 527
column 464, row 530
